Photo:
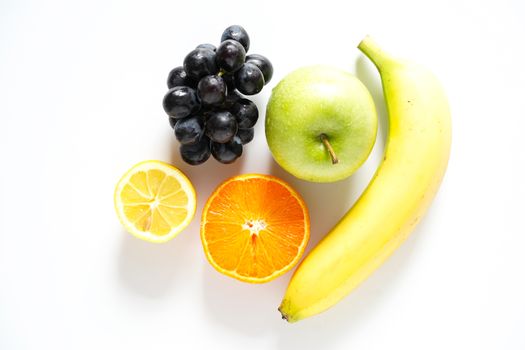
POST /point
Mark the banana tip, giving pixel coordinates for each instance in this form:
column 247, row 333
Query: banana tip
column 284, row 316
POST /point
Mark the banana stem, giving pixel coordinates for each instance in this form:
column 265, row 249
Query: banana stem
column 370, row 48
column 330, row 149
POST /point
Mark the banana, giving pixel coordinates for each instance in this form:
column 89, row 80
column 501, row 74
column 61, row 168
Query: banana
column 399, row 194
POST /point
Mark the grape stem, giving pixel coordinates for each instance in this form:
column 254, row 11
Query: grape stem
column 328, row 146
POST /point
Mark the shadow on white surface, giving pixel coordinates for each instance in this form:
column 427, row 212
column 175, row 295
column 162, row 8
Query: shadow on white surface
column 241, row 307
column 146, row 268
column 350, row 314
column 249, row 309
column 368, row 74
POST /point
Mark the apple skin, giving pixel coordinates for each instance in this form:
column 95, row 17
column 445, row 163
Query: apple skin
column 317, row 100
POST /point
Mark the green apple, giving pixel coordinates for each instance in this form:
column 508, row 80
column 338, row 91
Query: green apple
column 321, row 123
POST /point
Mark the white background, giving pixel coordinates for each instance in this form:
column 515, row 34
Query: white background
column 81, row 86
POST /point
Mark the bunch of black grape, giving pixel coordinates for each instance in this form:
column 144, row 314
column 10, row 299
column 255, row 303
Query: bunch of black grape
column 203, row 102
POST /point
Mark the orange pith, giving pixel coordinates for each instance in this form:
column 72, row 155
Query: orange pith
column 254, row 228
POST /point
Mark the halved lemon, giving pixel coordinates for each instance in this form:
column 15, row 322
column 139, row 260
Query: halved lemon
column 155, row 201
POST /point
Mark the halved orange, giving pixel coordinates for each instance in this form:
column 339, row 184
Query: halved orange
column 155, row 201
column 254, row 228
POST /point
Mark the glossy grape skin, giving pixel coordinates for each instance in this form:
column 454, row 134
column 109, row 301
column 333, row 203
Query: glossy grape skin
column 230, row 56
column 211, row 90
column 180, row 102
column 249, row 79
column 207, row 46
column 199, row 63
column 237, row 33
column 197, row 153
column 189, row 130
column 221, row 126
column 227, row 153
column 246, row 113
column 206, row 104
column 245, row 135
column 177, row 77
column 263, row 64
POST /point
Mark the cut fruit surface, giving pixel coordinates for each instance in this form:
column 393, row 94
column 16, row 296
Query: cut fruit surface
column 155, row 201
column 254, row 228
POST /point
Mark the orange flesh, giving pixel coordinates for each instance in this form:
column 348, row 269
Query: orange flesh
column 254, row 228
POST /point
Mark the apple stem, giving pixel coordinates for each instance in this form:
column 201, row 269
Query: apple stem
column 328, row 146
